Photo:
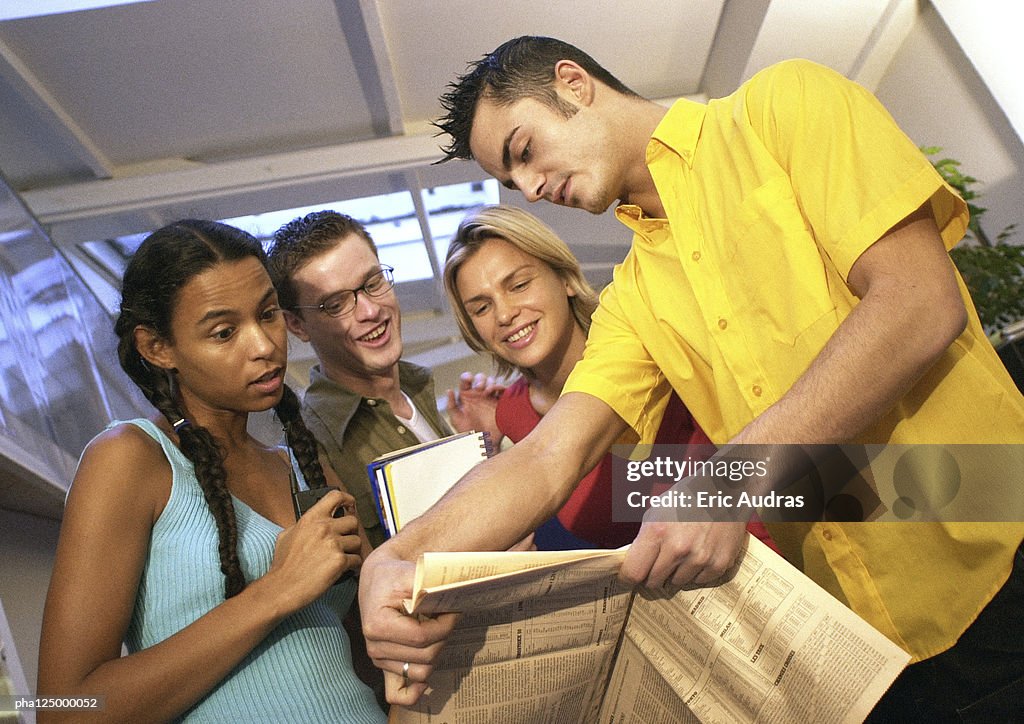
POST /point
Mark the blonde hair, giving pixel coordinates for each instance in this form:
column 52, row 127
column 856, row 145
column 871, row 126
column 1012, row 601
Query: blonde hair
column 531, row 236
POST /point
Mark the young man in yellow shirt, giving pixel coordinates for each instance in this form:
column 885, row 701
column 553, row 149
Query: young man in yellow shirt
column 789, row 279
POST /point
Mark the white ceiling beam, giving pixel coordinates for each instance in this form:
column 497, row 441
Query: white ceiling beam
column 385, row 70
column 364, row 32
column 833, row 34
column 893, row 27
column 416, row 188
column 49, row 111
column 93, row 199
column 735, row 37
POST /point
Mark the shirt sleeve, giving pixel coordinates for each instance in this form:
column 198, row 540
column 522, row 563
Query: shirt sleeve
column 616, row 367
column 854, row 173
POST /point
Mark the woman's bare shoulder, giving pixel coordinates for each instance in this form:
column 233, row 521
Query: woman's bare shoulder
column 123, row 458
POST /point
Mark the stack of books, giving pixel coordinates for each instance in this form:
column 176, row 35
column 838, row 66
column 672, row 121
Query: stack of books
column 407, row 482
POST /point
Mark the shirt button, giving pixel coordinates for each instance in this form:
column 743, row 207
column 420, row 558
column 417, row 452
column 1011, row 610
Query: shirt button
column 401, row 430
column 826, row 534
column 756, row 389
column 722, row 323
column 371, row 402
column 696, row 256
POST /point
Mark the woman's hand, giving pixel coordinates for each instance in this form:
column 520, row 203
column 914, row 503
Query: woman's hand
column 311, row 555
column 474, row 405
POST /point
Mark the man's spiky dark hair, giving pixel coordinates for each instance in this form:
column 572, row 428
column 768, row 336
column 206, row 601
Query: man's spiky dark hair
column 523, row 67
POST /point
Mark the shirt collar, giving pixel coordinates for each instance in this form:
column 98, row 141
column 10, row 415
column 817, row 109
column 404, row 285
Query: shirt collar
column 412, row 378
column 340, row 403
column 678, row 131
column 633, row 217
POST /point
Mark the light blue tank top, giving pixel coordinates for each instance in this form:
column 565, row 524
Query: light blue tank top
column 302, row 671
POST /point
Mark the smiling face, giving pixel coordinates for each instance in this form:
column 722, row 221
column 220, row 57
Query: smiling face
column 228, row 340
column 520, row 308
column 362, row 345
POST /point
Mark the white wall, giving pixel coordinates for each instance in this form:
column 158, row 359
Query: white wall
column 989, row 31
column 939, row 99
column 27, row 548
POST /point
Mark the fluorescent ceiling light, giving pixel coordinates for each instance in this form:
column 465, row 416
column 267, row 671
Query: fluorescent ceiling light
column 14, row 9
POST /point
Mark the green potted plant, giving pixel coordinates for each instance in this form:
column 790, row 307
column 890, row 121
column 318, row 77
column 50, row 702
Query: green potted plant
column 992, row 270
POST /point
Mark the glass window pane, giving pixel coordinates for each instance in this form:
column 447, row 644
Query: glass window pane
column 409, row 259
column 447, row 205
column 390, row 219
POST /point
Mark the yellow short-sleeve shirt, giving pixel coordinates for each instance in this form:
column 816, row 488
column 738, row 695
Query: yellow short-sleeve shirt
column 771, row 195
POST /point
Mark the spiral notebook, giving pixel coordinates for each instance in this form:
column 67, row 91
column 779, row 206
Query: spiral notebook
column 408, row 481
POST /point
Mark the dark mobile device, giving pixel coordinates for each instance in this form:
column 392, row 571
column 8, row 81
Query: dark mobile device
column 306, row 499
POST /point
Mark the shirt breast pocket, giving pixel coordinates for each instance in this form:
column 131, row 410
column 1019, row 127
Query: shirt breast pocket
column 777, row 273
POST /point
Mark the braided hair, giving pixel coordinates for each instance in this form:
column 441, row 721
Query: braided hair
column 164, row 263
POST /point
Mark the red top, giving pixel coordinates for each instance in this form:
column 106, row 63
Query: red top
column 587, row 514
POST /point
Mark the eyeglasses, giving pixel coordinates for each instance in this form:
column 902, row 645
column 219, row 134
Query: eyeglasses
column 342, row 303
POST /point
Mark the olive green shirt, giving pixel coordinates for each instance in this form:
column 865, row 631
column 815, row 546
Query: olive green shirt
column 353, row 430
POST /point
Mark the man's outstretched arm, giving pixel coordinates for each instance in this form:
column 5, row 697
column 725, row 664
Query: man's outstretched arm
column 495, row 505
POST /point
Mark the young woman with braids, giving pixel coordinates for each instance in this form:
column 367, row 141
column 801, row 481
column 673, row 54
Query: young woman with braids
column 179, row 536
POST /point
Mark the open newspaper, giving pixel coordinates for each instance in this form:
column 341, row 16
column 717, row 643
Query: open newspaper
column 555, row 637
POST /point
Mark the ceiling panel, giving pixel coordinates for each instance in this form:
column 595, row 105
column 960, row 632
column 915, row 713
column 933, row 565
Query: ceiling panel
column 198, row 79
column 837, row 38
column 150, row 90
column 30, row 155
column 657, row 47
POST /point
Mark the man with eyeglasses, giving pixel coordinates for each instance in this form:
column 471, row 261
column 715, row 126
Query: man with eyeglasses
column 363, row 400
